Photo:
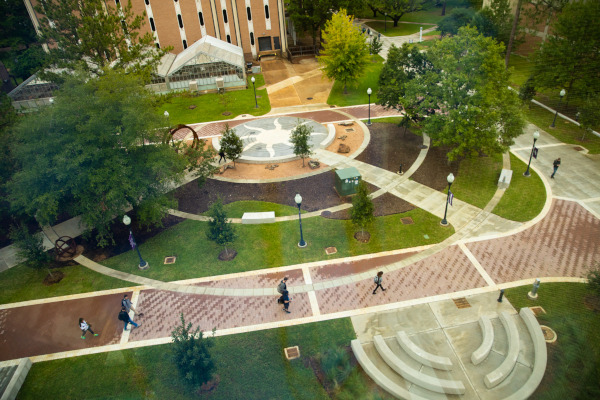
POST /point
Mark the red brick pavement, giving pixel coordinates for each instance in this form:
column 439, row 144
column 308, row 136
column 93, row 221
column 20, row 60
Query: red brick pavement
column 267, row 280
column 362, row 112
column 562, row 244
column 161, row 312
column 445, row 272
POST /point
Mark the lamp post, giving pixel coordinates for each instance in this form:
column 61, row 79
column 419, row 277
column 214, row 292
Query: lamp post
column 298, row 200
column 536, row 135
column 385, row 23
column 127, row 221
column 254, row 86
column 369, row 91
column 450, row 179
column 562, row 94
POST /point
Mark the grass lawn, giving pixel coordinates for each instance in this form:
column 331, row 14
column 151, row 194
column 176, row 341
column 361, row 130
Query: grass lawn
column 209, row 106
column 564, row 130
column 274, row 245
column 525, row 197
column 249, row 365
column 358, row 94
column 574, row 359
column 238, row 208
column 432, row 15
column 21, row 283
column 400, row 30
column 477, row 179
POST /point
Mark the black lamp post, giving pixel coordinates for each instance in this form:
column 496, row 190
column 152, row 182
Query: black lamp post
column 298, row 200
column 450, row 179
column 127, row 221
column 369, row 91
column 254, row 86
column 536, row 135
column 562, row 94
column 385, row 23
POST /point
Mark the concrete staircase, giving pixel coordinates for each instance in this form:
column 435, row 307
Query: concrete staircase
column 494, row 358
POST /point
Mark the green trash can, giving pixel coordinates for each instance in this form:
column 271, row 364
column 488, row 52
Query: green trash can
column 346, row 181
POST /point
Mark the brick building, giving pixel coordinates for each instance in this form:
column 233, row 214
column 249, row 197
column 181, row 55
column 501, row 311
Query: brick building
column 257, row 26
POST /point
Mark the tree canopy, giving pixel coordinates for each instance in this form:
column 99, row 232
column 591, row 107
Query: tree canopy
column 361, row 212
column 97, row 150
column 395, row 9
column 461, row 94
column 91, row 35
column 15, row 24
column 346, row 54
column 300, row 138
column 570, row 58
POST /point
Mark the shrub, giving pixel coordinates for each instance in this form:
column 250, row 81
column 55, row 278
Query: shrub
column 593, row 277
column 30, row 247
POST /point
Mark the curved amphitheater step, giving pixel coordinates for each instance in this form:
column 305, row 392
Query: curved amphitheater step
column 398, row 349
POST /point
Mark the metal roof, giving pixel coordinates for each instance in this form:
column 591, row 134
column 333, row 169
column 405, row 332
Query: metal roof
column 206, row 50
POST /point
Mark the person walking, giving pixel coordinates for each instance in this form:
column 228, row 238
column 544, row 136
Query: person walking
column 378, row 279
column 222, row 154
column 282, row 285
column 286, row 301
column 126, row 302
column 85, row 327
column 556, row 164
column 124, row 316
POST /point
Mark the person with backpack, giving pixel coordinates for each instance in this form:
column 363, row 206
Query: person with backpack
column 555, row 164
column 378, row 279
column 282, row 285
column 126, row 302
column 285, row 298
column 85, row 327
column 124, row 316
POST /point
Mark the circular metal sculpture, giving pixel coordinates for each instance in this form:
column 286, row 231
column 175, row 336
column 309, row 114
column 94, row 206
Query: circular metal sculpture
column 65, row 247
column 173, row 131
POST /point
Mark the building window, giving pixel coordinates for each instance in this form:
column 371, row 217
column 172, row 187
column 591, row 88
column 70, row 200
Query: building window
column 184, row 44
column 276, row 44
column 249, row 13
column 228, row 39
column 117, row 2
column 225, row 16
column 147, row 2
column 180, row 20
column 267, row 11
column 152, row 26
column 252, row 38
column 201, row 18
column 158, row 45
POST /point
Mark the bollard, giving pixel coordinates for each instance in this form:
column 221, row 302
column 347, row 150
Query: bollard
column 500, row 297
column 533, row 294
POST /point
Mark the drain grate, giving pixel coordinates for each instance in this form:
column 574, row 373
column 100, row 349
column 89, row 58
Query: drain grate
column 330, row 250
column 349, row 129
column 461, row 303
column 309, row 98
column 407, row 221
column 578, row 148
column 291, row 352
column 170, row 260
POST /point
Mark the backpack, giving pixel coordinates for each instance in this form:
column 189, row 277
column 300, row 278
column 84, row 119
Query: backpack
column 281, row 287
column 377, row 280
column 280, row 300
column 123, row 316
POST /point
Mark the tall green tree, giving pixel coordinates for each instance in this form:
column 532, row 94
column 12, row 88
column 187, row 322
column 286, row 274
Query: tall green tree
column 465, row 96
column 395, row 9
column 91, row 35
column 231, row 144
column 190, row 352
column 346, row 54
column 220, row 230
column 361, row 212
column 300, row 138
column 570, row 58
column 375, row 45
column 458, row 18
column 95, row 152
column 15, row 25
column 589, row 113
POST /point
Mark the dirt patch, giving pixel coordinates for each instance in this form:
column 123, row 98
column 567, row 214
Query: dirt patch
column 209, row 387
column 260, row 171
column 592, row 303
column 352, row 136
column 362, row 237
column 56, row 277
column 227, row 255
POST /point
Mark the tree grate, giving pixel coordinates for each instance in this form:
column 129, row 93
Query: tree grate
column 170, row 260
column 291, row 352
column 461, row 303
column 330, row 250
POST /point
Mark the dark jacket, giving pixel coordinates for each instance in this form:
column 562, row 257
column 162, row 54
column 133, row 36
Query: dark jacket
column 123, row 316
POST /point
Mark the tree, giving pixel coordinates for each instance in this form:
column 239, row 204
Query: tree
column 91, row 35
column 362, row 207
column 30, row 247
column 190, row 352
column 570, row 57
column 527, row 91
column 374, row 6
column 542, row 11
column 95, row 152
column 495, row 20
column 220, row 229
column 300, row 138
column 593, row 277
column 375, row 45
column 231, row 144
column 395, row 9
column 589, row 115
column 345, row 55
column 29, row 62
column 464, row 94
column 15, row 25
column 457, row 19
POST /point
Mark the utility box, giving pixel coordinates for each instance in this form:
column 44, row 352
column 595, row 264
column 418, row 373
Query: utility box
column 346, row 181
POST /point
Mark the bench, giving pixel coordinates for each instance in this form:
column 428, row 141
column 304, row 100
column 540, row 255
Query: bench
column 505, row 177
column 421, row 355
column 267, row 217
column 498, row 375
column 484, row 349
column 412, row 375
